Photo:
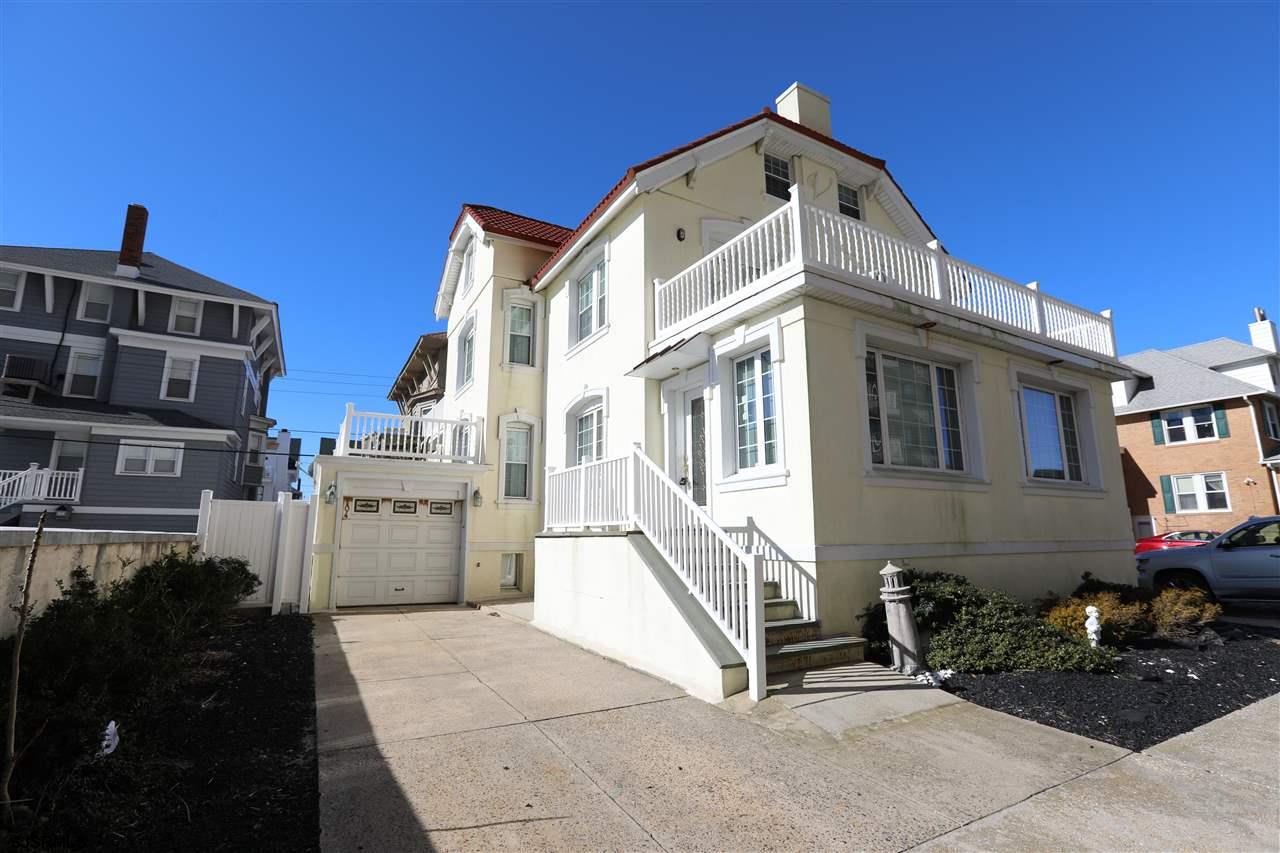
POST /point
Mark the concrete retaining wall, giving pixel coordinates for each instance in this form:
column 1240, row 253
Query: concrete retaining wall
column 108, row 554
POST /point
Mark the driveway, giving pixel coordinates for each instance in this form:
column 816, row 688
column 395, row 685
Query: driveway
column 459, row 729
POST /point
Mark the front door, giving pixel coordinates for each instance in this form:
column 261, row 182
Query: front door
column 695, row 442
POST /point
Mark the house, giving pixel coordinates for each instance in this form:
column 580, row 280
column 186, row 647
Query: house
column 1199, row 426
column 280, row 472
column 756, row 377
column 440, row 501
column 128, row 384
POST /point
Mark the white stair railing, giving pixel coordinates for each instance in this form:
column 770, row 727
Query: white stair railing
column 40, row 484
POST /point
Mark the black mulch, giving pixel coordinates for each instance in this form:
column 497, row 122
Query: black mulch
column 1160, row 690
column 226, row 761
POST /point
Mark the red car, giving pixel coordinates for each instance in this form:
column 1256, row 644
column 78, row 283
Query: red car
column 1177, row 539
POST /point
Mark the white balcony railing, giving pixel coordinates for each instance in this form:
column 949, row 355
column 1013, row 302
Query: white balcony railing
column 40, row 485
column 413, row 437
column 800, row 235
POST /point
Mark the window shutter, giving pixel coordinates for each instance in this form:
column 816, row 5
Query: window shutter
column 1157, row 428
column 1220, row 415
column 1166, row 489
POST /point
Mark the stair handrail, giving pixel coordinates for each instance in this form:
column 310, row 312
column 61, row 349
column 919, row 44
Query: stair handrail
column 730, row 590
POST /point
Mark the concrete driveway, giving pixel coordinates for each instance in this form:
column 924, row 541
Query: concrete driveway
column 458, row 729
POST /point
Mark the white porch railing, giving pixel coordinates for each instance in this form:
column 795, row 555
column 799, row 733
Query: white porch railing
column 632, row 491
column 800, row 235
column 414, row 437
column 40, row 484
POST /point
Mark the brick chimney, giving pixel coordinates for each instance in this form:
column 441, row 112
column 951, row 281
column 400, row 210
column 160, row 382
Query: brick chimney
column 135, row 233
column 807, row 107
column 1262, row 332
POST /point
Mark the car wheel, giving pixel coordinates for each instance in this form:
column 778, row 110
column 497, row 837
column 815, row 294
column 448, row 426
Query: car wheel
column 1184, row 580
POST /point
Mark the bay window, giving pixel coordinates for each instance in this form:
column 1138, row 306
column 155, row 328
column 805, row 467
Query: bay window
column 755, row 416
column 1051, row 435
column 913, row 413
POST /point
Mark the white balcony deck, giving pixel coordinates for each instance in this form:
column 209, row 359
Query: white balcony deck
column 40, row 485
column 801, row 236
column 409, row 437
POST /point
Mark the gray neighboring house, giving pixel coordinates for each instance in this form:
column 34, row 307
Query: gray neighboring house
column 128, row 384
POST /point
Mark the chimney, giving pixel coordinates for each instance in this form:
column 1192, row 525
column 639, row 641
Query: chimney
column 135, row 232
column 1262, row 332
column 807, row 107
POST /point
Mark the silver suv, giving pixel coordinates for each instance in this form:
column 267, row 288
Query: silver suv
column 1243, row 563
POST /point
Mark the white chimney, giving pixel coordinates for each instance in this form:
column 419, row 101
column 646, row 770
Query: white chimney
column 807, row 107
column 1262, row 332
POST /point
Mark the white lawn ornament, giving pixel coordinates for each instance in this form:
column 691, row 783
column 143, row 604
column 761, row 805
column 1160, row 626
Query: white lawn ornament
column 110, row 739
column 1093, row 625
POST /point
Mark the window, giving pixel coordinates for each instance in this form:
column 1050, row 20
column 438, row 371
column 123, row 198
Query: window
column 1198, row 424
column 755, row 416
column 95, row 303
column 1264, row 534
column 185, row 316
column 590, row 431
column 466, row 355
column 913, row 411
column 179, row 380
column 777, row 177
column 520, row 334
column 468, row 274
column 515, row 462
column 1051, row 435
column 11, row 286
column 1272, row 416
column 512, row 568
column 83, row 370
column 591, row 304
column 850, row 204
column 155, row 459
column 1200, row 493
column 68, row 455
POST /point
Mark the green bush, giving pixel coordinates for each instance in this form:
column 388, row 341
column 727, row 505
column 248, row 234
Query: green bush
column 936, row 598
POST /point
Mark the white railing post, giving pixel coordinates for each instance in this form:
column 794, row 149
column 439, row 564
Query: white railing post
column 582, row 497
column 279, row 569
column 206, row 516
column 1038, row 301
column 757, row 678
column 75, row 494
column 344, row 433
column 799, row 197
column 633, row 510
column 1111, row 331
column 938, row 269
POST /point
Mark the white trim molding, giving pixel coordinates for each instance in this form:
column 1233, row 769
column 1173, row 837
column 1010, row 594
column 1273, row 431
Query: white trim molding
column 48, row 336
column 181, row 346
column 149, row 458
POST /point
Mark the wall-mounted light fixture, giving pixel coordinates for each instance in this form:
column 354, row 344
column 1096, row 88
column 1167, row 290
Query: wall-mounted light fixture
column 63, row 511
column 680, row 234
column 476, row 498
column 331, row 494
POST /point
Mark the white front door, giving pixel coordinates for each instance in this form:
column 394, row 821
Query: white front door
column 399, row 551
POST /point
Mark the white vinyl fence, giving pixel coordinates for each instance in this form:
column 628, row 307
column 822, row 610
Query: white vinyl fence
column 272, row 537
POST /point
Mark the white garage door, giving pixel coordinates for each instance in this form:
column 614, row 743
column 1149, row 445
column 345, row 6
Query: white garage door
column 399, row 551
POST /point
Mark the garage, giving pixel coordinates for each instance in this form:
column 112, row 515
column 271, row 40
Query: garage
column 399, row 551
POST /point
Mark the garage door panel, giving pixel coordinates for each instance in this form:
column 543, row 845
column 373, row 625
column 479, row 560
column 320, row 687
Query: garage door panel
column 362, row 563
column 388, row 558
column 406, row 562
column 364, row 533
column 441, row 535
column 402, row 534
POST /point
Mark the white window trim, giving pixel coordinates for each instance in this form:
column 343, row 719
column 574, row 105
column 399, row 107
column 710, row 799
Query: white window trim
column 587, row 262
column 85, row 286
column 1189, row 425
column 168, row 367
column 22, row 288
column 534, row 424
column 1202, row 501
column 962, row 408
column 524, row 298
column 467, row 327
column 66, row 380
column 923, row 345
column 590, row 398
column 173, row 315
column 741, row 342
column 1058, row 382
column 149, row 445
column 1271, row 419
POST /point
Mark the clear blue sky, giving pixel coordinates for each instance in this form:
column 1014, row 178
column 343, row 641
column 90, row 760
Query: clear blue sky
column 1123, row 155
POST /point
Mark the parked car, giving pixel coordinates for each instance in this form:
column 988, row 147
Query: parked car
column 1243, row 563
column 1177, row 539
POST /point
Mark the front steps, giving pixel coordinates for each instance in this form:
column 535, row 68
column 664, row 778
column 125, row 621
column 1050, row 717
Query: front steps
column 794, row 643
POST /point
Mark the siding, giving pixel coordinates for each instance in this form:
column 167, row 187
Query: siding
column 203, row 467
column 138, row 374
column 19, row 448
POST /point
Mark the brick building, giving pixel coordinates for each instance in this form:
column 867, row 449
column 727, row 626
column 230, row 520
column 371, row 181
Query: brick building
column 1200, row 432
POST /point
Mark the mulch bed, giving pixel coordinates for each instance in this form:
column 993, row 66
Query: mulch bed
column 1161, row 690
column 225, row 760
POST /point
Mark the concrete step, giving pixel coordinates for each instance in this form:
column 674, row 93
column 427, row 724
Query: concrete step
column 827, row 651
column 783, row 631
column 772, row 589
column 776, row 609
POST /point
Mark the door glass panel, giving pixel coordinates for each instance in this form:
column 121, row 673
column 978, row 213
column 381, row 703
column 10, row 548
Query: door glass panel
column 698, row 450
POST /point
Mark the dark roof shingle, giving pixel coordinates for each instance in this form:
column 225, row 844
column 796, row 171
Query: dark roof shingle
column 53, row 408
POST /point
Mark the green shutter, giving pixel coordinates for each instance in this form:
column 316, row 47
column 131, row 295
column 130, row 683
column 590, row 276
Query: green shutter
column 1220, row 415
column 1157, row 428
column 1166, row 489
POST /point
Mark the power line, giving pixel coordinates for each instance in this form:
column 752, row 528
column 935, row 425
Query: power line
column 336, row 373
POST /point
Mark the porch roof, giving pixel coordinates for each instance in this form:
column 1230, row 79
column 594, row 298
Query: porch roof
column 62, row 409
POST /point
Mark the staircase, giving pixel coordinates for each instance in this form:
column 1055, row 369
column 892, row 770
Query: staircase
column 795, row 643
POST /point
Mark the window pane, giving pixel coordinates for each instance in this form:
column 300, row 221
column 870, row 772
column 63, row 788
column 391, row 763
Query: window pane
column 181, row 372
column 1203, row 418
column 135, row 459
column 468, row 355
column 849, row 202
column 70, row 456
column 97, row 302
column 521, row 349
column 777, row 177
column 908, row 405
column 517, row 480
column 586, row 302
column 745, row 409
column 164, row 460
column 8, row 289
column 766, row 408
column 588, row 440
column 1215, row 491
column 949, row 414
column 873, row 410
column 1043, row 447
column 1174, row 430
column 601, row 294
column 521, row 320
column 1070, row 438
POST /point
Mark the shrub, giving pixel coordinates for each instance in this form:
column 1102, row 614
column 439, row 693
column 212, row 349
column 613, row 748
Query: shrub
column 1122, row 621
column 1089, row 585
column 1178, row 613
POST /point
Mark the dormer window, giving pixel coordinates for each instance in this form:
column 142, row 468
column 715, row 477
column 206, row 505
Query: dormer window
column 185, row 317
column 850, row 204
column 95, row 303
column 777, row 177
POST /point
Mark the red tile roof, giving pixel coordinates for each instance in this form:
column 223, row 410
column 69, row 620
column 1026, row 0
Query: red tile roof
column 495, row 220
column 567, row 243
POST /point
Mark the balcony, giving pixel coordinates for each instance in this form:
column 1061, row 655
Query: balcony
column 409, row 437
column 760, row 266
column 40, row 485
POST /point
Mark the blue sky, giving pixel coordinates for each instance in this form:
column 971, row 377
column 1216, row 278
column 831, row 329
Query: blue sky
column 1123, row 155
